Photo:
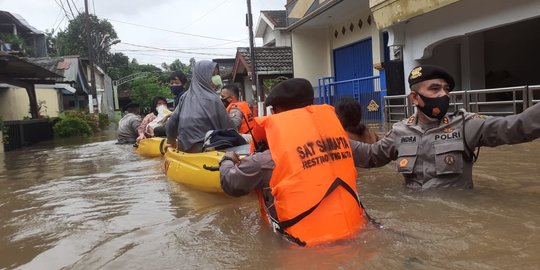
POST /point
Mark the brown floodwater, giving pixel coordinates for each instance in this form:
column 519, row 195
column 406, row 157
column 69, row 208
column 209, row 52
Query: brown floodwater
column 91, row 204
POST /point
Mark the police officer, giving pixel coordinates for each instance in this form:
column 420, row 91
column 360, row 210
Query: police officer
column 436, row 149
column 238, row 111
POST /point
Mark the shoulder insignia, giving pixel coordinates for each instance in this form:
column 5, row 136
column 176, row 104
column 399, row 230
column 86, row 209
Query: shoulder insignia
column 448, row 130
column 445, row 120
column 479, row 116
column 411, row 120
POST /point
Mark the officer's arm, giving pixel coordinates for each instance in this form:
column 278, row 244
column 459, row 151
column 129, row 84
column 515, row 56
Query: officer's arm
column 254, row 171
column 236, row 117
column 374, row 155
column 513, row 129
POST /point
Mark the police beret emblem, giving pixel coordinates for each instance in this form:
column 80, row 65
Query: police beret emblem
column 415, row 73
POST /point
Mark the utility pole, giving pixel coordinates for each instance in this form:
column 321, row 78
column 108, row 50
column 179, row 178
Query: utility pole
column 93, row 92
column 255, row 80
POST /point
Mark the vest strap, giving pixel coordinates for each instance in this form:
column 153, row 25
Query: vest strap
column 338, row 182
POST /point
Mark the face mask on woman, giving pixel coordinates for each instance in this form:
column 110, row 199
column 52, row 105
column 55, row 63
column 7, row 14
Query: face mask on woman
column 216, row 81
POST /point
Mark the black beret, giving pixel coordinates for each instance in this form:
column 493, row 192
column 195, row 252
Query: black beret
column 292, row 93
column 427, row 72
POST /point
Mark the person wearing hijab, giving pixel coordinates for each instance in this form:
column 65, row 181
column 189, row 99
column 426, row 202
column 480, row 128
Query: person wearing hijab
column 199, row 110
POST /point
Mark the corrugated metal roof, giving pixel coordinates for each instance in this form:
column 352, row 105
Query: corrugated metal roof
column 68, row 66
column 17, row 68
column 9, row 17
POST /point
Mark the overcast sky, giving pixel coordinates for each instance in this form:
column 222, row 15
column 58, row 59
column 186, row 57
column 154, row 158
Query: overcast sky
column 157, row 31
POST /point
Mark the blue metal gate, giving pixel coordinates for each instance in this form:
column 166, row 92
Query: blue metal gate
column 353, row 69
column 352, row 62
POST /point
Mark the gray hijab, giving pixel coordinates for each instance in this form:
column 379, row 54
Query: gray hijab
column 200, row 109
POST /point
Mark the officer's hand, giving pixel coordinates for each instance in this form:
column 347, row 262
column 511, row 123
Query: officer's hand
column 232, row 155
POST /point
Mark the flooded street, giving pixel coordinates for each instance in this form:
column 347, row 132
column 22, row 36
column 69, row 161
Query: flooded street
column 97, row 205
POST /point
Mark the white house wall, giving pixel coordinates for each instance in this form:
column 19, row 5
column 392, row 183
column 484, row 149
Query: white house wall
column 15, row 105
column 423, row 33
column 313, row 46
column 366, row 31
column 311, row 54
column 282, row 38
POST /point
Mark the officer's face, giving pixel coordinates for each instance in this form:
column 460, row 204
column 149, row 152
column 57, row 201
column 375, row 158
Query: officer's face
column 431, row 89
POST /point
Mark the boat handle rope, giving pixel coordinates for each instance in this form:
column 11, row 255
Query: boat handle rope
column 211, row 168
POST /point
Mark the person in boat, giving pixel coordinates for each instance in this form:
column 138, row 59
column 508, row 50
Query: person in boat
column 128, row 125
column 305, row 178
column 199, row 110
column 349, row 113
column 153, row 124
column 177, row 82
column 238, row 111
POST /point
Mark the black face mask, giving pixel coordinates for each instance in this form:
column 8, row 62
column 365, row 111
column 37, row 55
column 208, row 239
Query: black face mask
column 435, row 107
column 226, row 102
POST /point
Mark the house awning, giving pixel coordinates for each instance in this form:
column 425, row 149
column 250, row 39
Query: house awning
column 19, row 72
column 65, row 88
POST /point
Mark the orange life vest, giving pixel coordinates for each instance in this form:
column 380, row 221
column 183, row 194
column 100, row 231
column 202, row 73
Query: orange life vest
column 314, row 179
column 246, row 115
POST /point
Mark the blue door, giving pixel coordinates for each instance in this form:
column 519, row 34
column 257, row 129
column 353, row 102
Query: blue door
column 352, row 62
column 355, row 61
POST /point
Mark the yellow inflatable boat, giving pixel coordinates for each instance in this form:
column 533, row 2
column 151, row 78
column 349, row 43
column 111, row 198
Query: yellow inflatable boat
column 196, row 170
column 150, row 147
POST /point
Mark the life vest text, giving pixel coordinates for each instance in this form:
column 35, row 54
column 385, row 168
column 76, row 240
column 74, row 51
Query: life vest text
column 323, row 150
column 450, row 136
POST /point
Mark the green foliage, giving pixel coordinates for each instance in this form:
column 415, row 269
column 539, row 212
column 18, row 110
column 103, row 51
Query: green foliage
column 119, row 66
column 72, row 126
column 103, row 120
column 177, row 65
column 269, row 84
column 143, row 90
column 42, row 109
column 72, row 40
column 13, row 39
column 91, row 119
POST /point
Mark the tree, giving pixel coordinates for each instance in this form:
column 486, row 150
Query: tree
column 72, row 40
column 118, row 66
column 143, row 90
column 177, row 65
column 51, row 40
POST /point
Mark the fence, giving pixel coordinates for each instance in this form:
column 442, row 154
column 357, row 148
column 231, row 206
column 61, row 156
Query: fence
column 366, row 90
column 508, row 101
column 26, row 132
